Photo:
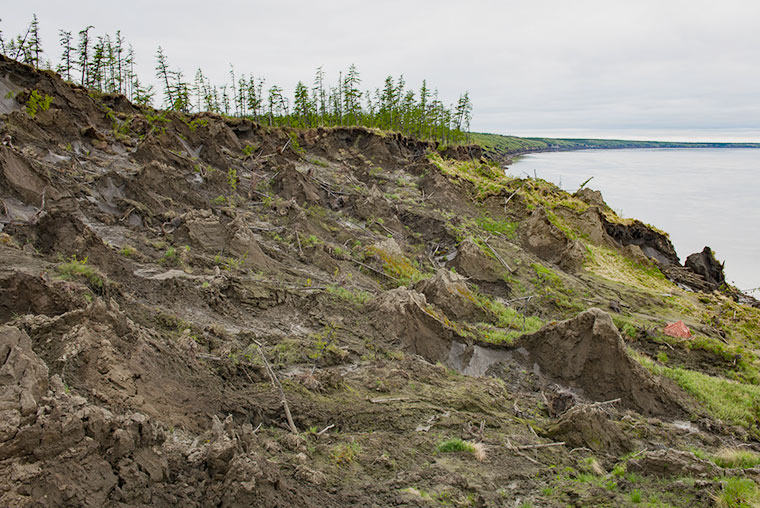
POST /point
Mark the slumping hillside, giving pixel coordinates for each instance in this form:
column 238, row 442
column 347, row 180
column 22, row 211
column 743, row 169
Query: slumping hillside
column 198, row 310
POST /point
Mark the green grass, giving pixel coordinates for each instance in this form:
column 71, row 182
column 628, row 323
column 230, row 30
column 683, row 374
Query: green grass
column 79, row 269
column 503, row 227
column 738, row 493
column 735, row 457
column 734, row 402
column 354, row 296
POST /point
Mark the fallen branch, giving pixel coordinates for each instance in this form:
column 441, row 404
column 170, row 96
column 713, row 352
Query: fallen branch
column 506, row 201
column 521, row 454
column 374, row 269
column 325, row 429
column 391, row 399
column 298, row 239
column 536, row 446
column 282, row 150
column 605, row 403
column 504, row 263
column 276, row 383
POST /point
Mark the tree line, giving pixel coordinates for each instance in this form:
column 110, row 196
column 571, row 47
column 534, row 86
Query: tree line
column 106, row 63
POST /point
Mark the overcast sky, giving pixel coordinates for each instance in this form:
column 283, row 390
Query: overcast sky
column 636, row 69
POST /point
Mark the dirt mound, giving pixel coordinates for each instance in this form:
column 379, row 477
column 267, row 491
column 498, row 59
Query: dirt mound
column 653, row 243
column 585, row 426
column 542, row 238
column 405, row 315
column 471, row 261
column 592, row 197
column 667, row 463
column 61, row 450
column 587, row 354
column 292, row 184
column 705, row 264
column 203, row 230
column 449, row 291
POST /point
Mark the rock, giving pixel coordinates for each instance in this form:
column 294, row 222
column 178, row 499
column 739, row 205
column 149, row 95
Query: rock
column 542, row 238
column 705, row 264
column 678, row 330
column 652, row 243
column 588, row 354
column 665, row 463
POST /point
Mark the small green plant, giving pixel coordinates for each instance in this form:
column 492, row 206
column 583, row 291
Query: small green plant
column 297, row 148
column 311, row 241
column 662, row 357
column 128, row 251
column 636, row 496
column 345, row 453
column 248, row 150
column 170, row 257
column 157, row 122
column 232, row 178
column 198, row 122
column 458, row 445
column 37, row 103
column 218, row 201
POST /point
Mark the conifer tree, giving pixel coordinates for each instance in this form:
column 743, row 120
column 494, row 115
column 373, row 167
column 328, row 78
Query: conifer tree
column 83, row 57
column 35, row 45
column 64, row 68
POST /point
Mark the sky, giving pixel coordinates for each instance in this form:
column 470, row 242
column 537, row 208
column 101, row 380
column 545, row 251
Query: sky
column 664, row 69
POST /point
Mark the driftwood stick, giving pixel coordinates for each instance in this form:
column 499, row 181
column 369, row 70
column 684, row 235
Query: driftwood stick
column 605, row 403
column 276, row 383
column 391, row 399
column 504, row 263
column 325, row 429
column 282, row 150
column 506, row 201
column 298, row 239
column 521, row 454
column 363, row 265
column 535, row 446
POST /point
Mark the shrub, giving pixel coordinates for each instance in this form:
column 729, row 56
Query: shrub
column 37, row 103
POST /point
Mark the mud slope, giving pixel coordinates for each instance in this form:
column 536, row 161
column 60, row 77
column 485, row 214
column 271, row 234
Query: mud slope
column 197, row 310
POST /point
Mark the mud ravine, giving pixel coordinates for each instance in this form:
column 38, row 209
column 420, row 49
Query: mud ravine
column 440, row 333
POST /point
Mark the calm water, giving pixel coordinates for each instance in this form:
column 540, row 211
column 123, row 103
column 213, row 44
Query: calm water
column 700, row 196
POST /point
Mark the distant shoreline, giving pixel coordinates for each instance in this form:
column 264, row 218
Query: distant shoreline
column 506, row 148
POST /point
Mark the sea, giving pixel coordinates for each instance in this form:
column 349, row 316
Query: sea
column 700, row 196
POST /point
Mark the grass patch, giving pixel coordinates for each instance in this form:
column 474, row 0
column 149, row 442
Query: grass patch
column 502, row 227
column 79, row 269
column 735, row 457
column 738, row 493
column 355, row 296
column 612, row 265
column 399, row 267
column 455, row 445
column 731, row 401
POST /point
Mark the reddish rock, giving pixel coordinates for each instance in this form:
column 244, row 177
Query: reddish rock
column 677, row 329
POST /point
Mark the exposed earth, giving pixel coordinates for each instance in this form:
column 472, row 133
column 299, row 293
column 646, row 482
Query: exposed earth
column 203, row 311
